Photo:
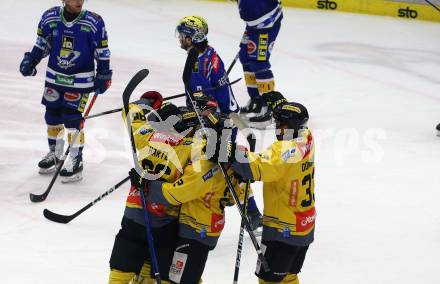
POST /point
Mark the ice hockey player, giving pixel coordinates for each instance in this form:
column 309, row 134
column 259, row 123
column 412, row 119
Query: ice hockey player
column 202, row 194
column 287, row 170
column 163, row 152
column 263, row 22
column 73, row 39
column 206, row 72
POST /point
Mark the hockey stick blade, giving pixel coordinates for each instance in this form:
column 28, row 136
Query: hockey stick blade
column 136, row 80
column 64, row 219
column 58, row 218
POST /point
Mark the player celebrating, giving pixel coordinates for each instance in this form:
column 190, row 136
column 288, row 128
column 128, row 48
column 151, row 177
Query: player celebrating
column 202, row 194
column 207, row 70
column 287, row 170
column 162, row 153
column 73, row 39
column 263, row 22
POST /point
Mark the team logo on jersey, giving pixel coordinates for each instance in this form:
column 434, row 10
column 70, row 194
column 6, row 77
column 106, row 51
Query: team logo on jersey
column 72, row 97
column 305, row 220
column 251, row 46
column 210, row 173
column 67, row 53
column 217, row 223
column 51, row 95
column 289, row 153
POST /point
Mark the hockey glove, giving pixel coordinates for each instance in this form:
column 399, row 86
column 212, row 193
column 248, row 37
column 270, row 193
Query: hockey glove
column 154, row 99
column 136, row 179
column 103, row 81
column 28, row 64
column 274, row 99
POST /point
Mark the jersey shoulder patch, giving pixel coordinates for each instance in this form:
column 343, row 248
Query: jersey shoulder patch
column 52, row 12
column 93, row 17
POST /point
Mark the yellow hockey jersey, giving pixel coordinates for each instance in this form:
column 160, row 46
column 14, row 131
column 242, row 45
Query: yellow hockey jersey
column 162, row 156
column 287, row 171
column 202, row 194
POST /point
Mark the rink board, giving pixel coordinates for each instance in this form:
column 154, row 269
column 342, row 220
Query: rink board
column 407, row 9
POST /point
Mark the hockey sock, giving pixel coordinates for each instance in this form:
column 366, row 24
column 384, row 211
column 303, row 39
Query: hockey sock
column 251, row 84
column 265, row 81
column 76, row 146
column 291, row 279
column 55, row 134
column 120, row 277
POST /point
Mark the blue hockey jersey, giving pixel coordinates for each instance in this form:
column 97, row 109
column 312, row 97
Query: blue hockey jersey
column 72, row 48
column 209, row 71
column 260, row 14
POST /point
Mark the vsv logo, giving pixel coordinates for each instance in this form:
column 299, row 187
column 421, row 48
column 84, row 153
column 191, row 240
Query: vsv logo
column 327, row 4
column 407, row 13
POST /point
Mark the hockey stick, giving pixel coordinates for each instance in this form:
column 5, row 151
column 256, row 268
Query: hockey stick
column 165, row 99
column 64, row 219
column 233, row 63
column 241, row 236
column 435, row 7
column 43, row 196
column 126, row 100
column 192, row 57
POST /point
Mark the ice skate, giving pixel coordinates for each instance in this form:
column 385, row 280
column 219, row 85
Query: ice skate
column 72, row 170
column 48, row 164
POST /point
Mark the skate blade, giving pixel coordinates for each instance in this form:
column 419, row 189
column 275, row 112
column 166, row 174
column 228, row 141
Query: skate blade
column 74, row 178
column 47, row 171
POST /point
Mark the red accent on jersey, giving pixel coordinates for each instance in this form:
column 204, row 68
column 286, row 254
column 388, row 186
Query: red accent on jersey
column 207, row 199
column 251, row 47
column 305, row 220
column 293, row 193
column 215, row 62
column 306, row 148
column 72, row 97
column 166, row 138
column 156, row 209
column 217, row 223
column 134, row 196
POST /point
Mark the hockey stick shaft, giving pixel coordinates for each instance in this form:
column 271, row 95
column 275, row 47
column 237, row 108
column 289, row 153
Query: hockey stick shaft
column 241, row 235
column 64, row 219
column 165, row 99
column 233, row 63
column 126, row 99
column 42, row 197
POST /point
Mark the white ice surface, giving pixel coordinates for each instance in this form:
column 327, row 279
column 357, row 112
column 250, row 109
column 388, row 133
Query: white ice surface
column 372, row 88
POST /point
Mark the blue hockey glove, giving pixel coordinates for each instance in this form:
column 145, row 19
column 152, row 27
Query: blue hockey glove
column 103, row 80
column 27, row 65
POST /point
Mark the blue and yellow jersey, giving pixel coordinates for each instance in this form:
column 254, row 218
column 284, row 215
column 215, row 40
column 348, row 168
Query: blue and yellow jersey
column 208, row 72
column 72, row 48
column 260, row 14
